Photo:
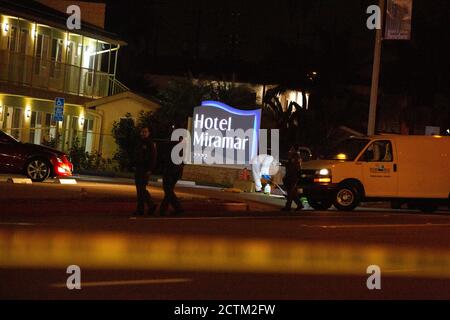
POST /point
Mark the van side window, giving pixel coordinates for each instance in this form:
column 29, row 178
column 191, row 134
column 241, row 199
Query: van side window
column 378, row 151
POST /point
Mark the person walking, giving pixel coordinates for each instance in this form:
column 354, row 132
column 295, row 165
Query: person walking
column 290, row 180
column 145, row 157
column 171, row 174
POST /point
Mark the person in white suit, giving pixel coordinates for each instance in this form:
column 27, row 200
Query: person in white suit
column 263, row 166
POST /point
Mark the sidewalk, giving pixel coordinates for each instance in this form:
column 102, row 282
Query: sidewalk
column 95, row 190
column 107, row 196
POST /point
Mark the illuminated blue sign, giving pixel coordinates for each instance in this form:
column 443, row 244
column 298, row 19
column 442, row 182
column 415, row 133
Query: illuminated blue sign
column 227, row 134
column 59, row 109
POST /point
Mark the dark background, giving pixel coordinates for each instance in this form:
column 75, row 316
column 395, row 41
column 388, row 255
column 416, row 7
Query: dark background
column 282, row 42
column 277, row 41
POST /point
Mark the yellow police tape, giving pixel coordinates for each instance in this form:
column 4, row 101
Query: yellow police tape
column 119, row 251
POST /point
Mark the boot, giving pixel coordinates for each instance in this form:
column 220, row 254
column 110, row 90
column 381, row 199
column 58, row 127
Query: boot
column 152, row 209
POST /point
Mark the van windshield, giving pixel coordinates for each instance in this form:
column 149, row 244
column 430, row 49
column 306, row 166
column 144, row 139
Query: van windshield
column 346, row 150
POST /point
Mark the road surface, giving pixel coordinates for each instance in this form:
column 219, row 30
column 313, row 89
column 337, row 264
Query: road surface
column 257, row 254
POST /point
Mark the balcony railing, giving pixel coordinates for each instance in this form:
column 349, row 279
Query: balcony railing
column 51, row 75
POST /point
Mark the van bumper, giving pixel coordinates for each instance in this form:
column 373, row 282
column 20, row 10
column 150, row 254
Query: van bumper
column 318, row 191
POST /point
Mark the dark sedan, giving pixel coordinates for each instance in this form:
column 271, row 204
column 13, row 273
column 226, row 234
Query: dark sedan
column 35, row 161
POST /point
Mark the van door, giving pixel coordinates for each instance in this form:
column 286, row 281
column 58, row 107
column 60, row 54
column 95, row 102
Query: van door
column 379, row 169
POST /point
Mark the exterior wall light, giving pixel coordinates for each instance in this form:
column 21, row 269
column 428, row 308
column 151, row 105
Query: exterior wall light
column 28, row 113
column 6, row 27
column 81, row 121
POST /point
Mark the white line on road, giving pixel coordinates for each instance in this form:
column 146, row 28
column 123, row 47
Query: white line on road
column 17, row 223
column 398, row 225
column 125, row 282
column 169, row 218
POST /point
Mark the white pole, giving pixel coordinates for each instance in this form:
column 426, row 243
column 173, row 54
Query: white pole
column 375, row 75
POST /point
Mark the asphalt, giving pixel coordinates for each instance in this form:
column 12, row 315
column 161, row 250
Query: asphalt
column 214, row 253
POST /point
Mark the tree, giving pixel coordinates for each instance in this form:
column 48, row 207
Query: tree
column 126, row 136
column 180, row 97
column 178, row 100
column 293, row 121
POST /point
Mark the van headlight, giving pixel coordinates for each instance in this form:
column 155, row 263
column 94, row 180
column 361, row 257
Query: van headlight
column 324, row 172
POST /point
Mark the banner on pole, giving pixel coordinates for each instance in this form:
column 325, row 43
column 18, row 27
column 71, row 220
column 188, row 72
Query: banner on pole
column 398, row 20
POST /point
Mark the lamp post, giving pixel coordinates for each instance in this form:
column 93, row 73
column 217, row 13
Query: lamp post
column 375, row 75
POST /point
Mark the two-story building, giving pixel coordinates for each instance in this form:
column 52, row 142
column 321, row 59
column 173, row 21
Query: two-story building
column 41, row 60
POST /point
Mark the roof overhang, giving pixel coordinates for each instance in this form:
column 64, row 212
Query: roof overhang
column 38, row 13
column 124, row 95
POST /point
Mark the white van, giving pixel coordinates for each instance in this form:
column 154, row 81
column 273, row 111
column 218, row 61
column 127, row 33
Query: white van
column 404, row 169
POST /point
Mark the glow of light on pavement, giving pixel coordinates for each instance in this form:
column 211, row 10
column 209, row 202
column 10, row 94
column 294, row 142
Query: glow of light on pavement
column 25, row 249
column 126, row 282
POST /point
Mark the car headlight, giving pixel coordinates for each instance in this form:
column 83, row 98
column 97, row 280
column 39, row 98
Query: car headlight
column 324, row 172
column 59, row 159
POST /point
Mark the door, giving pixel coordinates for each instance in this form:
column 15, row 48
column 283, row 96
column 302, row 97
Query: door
column 36, row 127
column 16, row 130
column 69, row 70
column 379, row 169
column 41, row 66
column 21, row 56
column 56, row 74
column 13, row 122
column 88, row 136
column 12, row 46
column 7, row 124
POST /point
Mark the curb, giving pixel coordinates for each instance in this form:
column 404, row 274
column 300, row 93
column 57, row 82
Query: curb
column 106, row 206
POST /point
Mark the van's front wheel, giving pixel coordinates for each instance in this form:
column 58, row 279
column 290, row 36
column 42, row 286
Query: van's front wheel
column 347, row 197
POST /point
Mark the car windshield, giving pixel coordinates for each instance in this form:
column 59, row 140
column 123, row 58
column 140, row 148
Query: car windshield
column 4, row 137
column 347, row 150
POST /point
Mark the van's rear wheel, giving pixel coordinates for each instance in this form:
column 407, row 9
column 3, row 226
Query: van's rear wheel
column 347, row 197
column 320, row 204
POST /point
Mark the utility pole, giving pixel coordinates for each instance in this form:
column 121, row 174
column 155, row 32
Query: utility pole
column 376, row 73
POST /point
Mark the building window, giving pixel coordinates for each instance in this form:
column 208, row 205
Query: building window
column 378, row 151
column 49, row 130
column 17, row 119
column 23, row 41
column 36, row 127
column 41, row 53
column 88, row 135
column 12, row 41
column 56, row 57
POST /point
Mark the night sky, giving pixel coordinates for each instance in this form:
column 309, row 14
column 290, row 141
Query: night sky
column 277, row 42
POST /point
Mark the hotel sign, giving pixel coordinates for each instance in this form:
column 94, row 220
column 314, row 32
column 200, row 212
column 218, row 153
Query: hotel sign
column 222, row 134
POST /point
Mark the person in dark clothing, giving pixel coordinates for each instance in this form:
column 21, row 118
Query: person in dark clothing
column 290, row 180
column 171, row 174
column 145, row 156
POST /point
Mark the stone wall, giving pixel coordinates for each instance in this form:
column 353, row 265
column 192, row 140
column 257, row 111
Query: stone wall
column 212, row 175
column 220, row 175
